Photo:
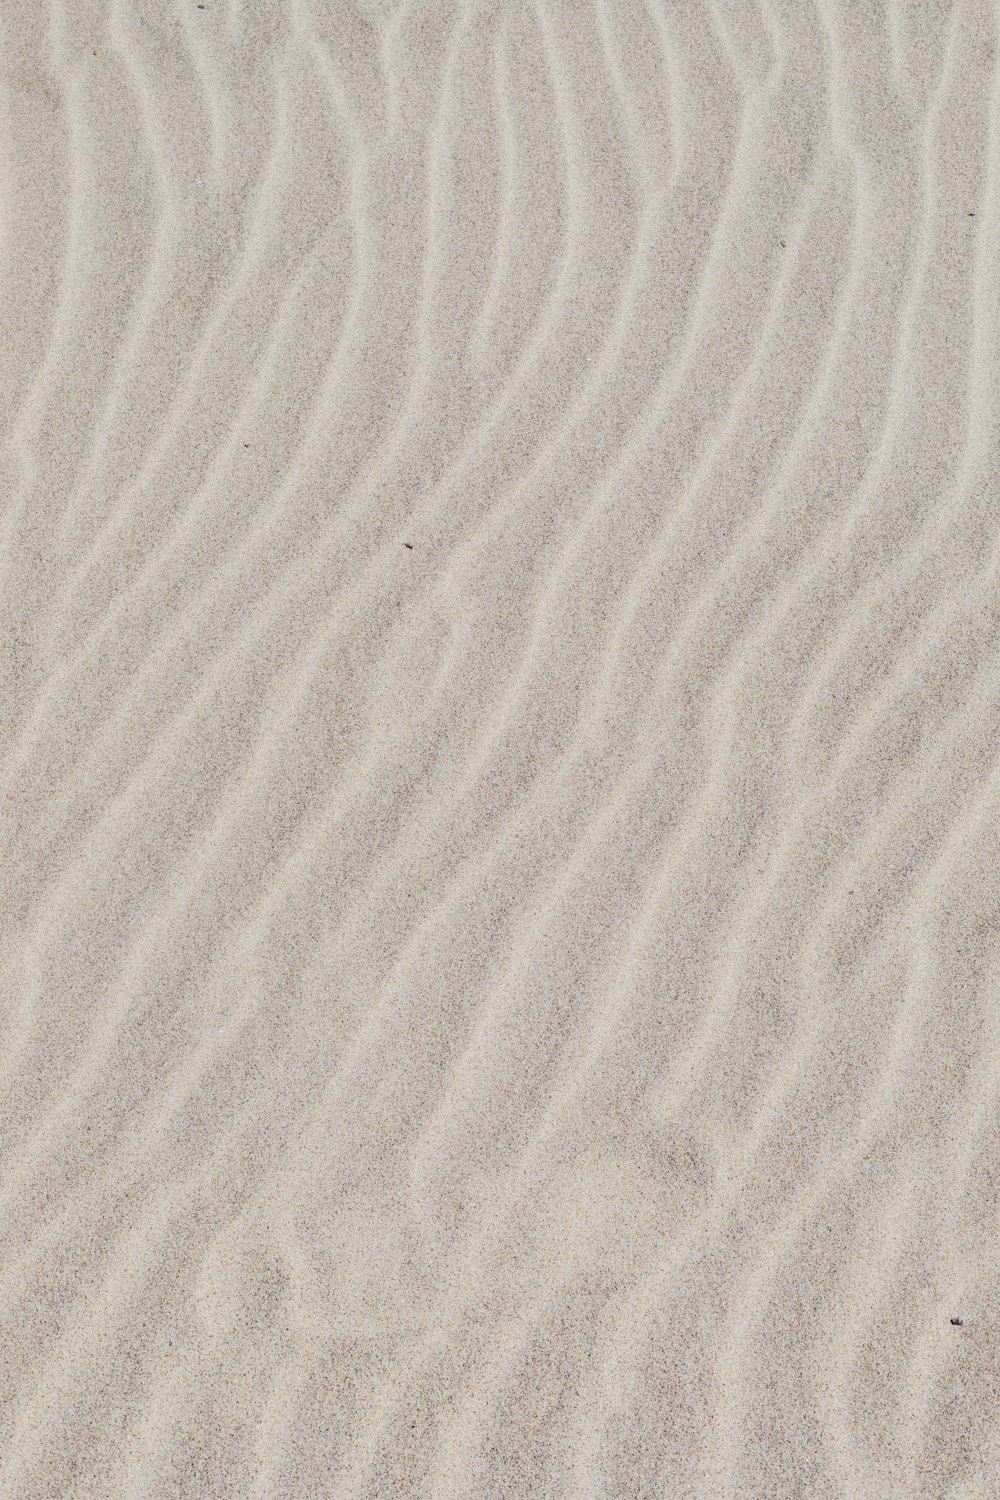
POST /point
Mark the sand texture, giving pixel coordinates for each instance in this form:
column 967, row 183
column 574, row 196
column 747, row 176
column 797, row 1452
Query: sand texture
column 500, row 747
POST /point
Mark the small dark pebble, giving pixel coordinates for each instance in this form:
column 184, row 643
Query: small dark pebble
column 972, row 216
column 956, row 1322
column 408, row 546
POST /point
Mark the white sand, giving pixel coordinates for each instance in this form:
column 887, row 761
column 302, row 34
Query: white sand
column 514, row 1015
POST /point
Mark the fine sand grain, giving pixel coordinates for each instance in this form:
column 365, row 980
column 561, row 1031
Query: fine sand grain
column 500, row 742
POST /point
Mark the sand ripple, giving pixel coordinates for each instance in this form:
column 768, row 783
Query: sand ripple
column 499, row 965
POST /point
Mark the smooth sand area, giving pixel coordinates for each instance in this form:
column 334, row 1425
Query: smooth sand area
column 500, row 744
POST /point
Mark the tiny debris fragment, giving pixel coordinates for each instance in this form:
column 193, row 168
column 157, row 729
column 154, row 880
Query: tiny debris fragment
column 956, row 1322
column 408, row 546
column 783, row 243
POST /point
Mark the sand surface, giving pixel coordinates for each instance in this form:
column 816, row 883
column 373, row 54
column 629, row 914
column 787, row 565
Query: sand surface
column 500, row 871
